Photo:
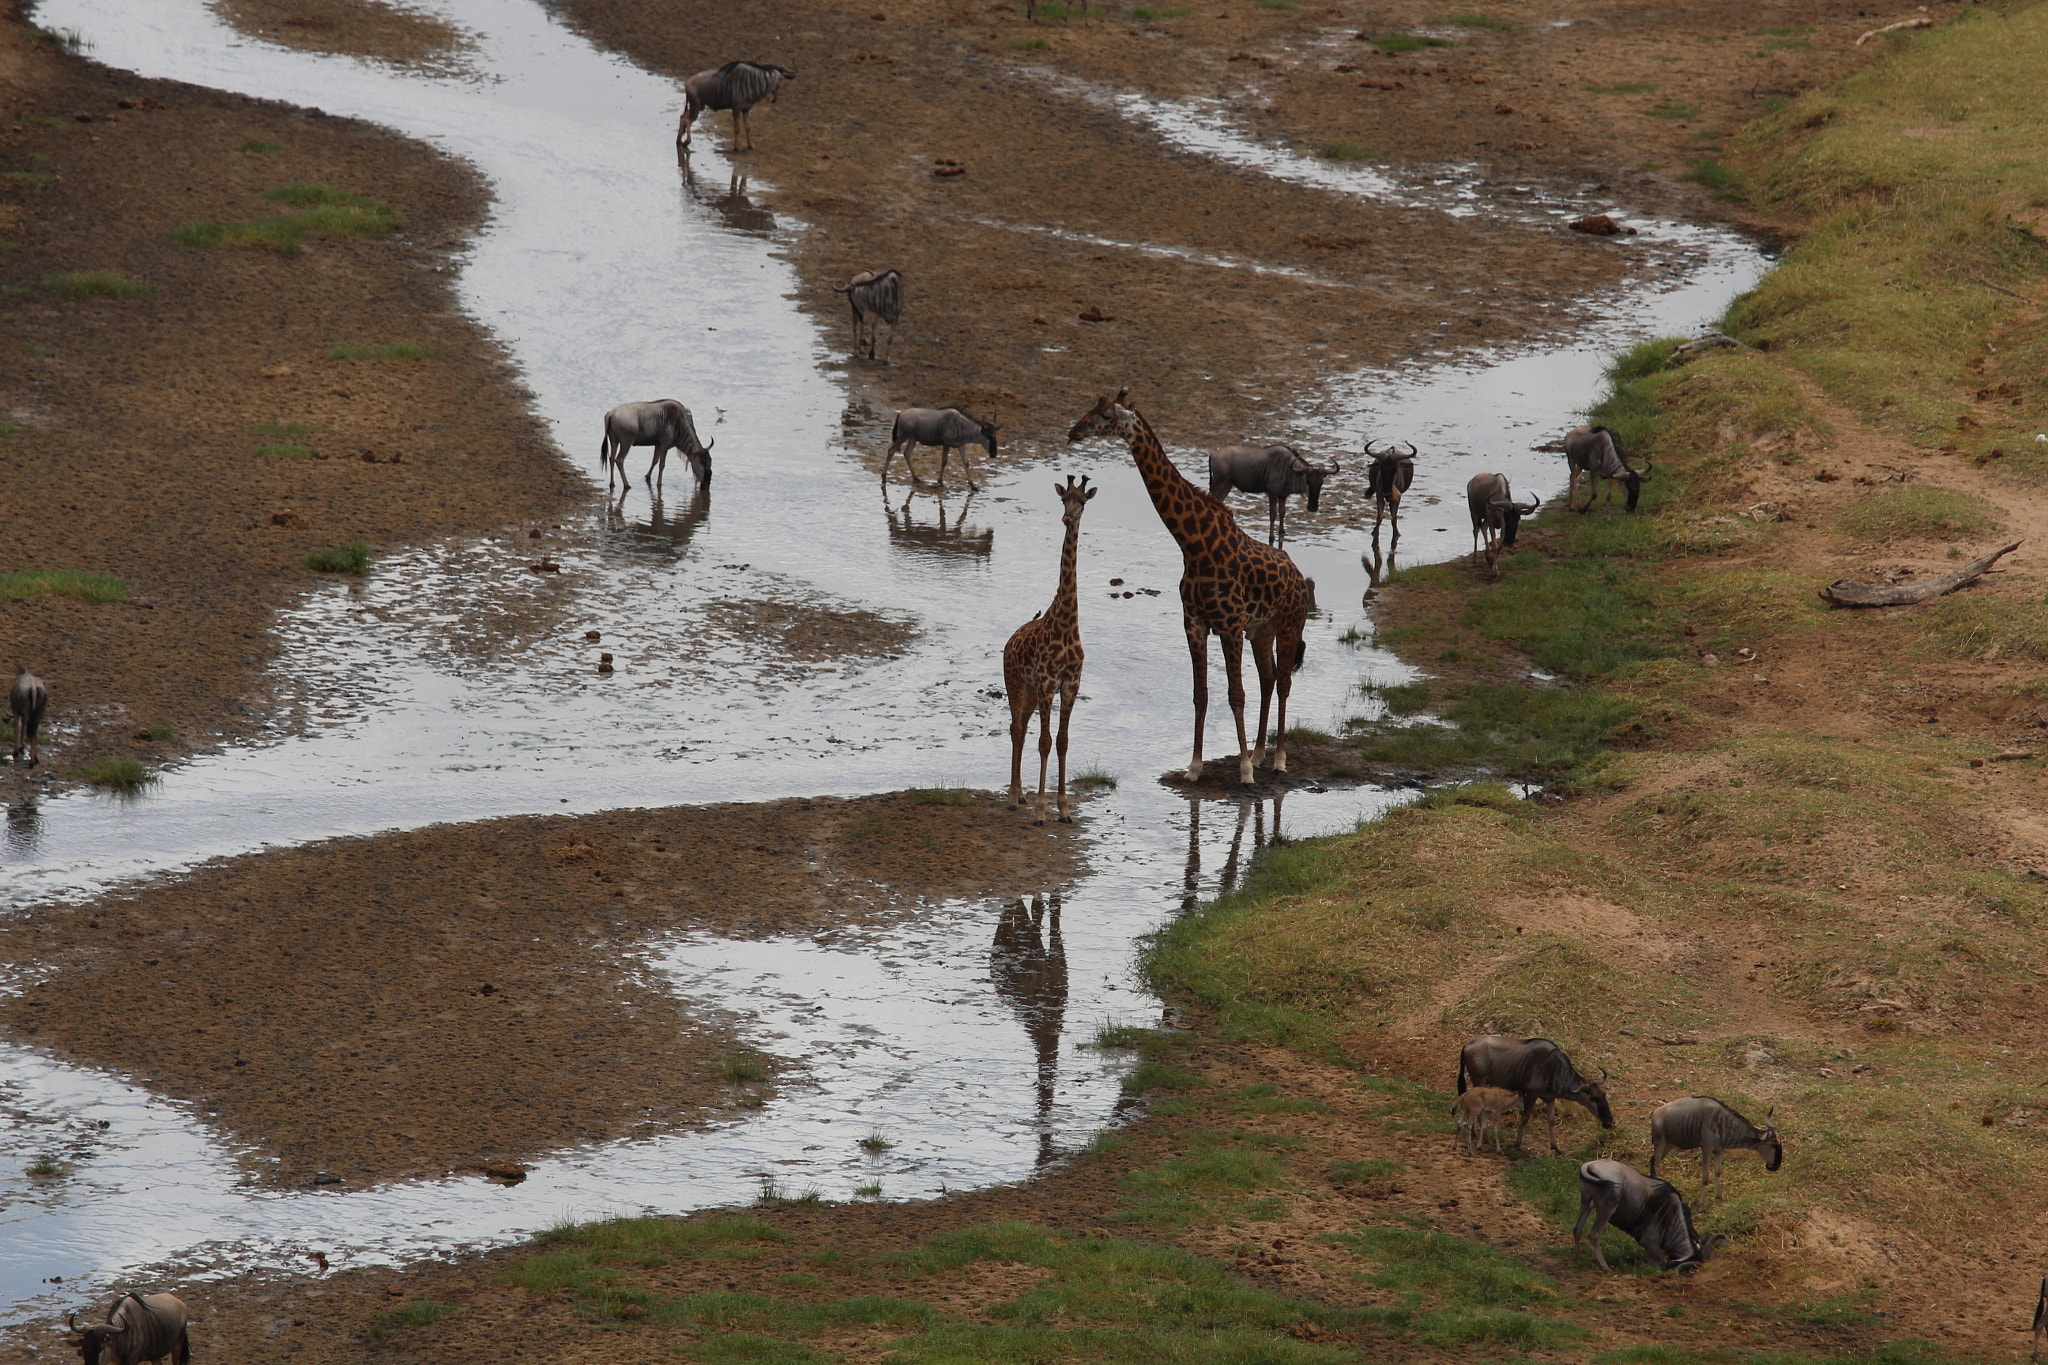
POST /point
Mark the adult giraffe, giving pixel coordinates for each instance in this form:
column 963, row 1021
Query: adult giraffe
column 1229, row 583
column 1043, row 661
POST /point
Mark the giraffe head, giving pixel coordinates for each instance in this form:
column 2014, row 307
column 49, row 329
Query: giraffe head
column 1075, row 496
column 1109, row 417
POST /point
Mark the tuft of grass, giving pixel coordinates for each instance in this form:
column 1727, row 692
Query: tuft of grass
column 1364, row 1172
column 941, row 796
column 1918, row 514
column 875, row 1143
column 35, row 179
column 1205, row 1186
column 117, row 772
column 320, row 212
column 1968, row 623
column 95, row 284
column 1161, row 1076
column 161, row 734
column 1276, row 4
column 87, row 587
column 1406, row 42
column 256, row 146
column 774, row 1195
column 745, row 1064
column 1344, row 149
column 1718, row 176
column 1673, row 109
column 1457, row 1292
column 352, row 558
column 418, row 1313
column 46, row 1168
column 1029, row 44
column 1054, row 11
column 1094, row 777
column 1483, row 21
column 397, row 350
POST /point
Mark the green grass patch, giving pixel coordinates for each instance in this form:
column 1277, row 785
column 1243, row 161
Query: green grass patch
column 1918, row 514
column 1456, row 1292
column 352, row 558
column 1365, row 1172
column 256, row 146
column 95, row 284
column 1029, row 44
column 33, row 179
column 87, row 587
column 1718, row 176
column 1276, row 4
column 1673, row 109
column 1265, row 1098
column 1209, row 1185
column 117, row 772
column 1407, row 42
column 1552, row 734
column 1622, row 88
column 1344, row 149
column 1054, row 11
column 743, row 1064
column 1151, row 1076
column 940, row 796
column 396, row 350
column 418, row 1313
column 321, row 212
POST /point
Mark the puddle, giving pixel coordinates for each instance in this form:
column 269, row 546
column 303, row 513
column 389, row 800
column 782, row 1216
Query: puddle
column 607, row 273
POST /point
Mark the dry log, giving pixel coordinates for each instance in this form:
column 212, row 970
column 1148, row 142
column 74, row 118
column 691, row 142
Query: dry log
column 1918, row 21
column 1846, row 592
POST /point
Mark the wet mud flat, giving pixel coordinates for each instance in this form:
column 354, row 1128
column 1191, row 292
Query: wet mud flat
column 197, row 441
column 455, row 997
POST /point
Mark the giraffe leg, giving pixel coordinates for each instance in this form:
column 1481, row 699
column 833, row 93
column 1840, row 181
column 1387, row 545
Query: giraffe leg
column 1285, row 643
column 1020, row 725
column 1233, row 670
column 1262, row 660
column 1044, row 751
column 1198, row 651
column 1067, row 696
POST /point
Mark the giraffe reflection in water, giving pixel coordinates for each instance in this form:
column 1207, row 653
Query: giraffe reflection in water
column 1250, row 814
column 937, row 538
column 1029, row 966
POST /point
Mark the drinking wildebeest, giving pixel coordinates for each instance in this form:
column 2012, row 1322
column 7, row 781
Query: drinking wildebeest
column 1496, row 516
column 1478, row 1107
column 873, row 295
column 947, row 428
column 1704, row 1123
column 1387, row 477
column 1594, row 452
column 1536, row 1069
column 26, row 701
column 737, row 86
column 137, row 1329
column 664, row 424
column 1647, row 1209
column 1278, row 471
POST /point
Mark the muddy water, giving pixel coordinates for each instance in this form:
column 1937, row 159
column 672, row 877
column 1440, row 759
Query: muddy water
column 609, row 275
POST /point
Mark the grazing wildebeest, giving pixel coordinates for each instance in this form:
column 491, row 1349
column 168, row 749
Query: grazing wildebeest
column 1387, row 477
column 1647, row 1209
column 25, row 703
column 664, row 424
column 137, row 1329
column 873, row 295
column 737, row 86
column 1496, row 516
column 1478, row 1107
column 1536, row 1069
column 1705, row 1123
column 1279, row 472
column 1594, row 452
column 947, row 428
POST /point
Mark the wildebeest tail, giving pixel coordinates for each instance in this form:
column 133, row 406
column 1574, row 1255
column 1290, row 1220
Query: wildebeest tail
column 184, row 1356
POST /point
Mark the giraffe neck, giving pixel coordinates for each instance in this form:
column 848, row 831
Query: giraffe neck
column 1187, row 511
column 1065, row 611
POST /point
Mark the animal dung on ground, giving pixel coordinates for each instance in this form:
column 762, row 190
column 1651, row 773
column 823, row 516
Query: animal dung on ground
column 1503, row 109
column 545, row 566
column 1093, row 314
column 604, row 663
column 592, row 636
column 944, row 168
column 290, row 521
column 1600, row 225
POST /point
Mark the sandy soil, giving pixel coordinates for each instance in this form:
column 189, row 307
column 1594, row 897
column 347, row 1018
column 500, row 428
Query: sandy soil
column 443, row 999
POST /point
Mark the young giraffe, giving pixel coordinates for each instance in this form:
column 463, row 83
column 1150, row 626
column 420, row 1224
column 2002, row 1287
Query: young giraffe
column 1230, row 584
column 1043, row 659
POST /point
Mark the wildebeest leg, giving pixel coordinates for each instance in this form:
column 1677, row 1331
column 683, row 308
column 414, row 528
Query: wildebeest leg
column 1044, row 750
column 965, row 464
column 658, row 462
column 1233, row 672
column 1198, row 653
column 1067, row 696
column 739, row 123
column 1550, row 1112
column 1528, row 1108
column 1262, row 660
column 1603, row 1210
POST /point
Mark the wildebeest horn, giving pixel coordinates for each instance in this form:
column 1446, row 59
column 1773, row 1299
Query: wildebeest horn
column 1368, row 449
column 1603, row 1075
column 1411, row 449
column 71, row 1322
column 1644, row 472
column 1334, row 467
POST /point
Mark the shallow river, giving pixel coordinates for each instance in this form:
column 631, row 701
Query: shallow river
column 608, row 274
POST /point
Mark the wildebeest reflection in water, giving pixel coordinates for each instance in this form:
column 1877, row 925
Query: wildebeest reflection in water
column 659, row 535
column 1248, row 812
column 1029, row 965
column 937, row 537
column 739, row 213
column 1378, row 568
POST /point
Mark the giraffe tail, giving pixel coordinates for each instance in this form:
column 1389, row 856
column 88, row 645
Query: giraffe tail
column 1300, row 653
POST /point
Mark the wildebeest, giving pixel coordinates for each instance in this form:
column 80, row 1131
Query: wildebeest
column 947, row 428
column 1478, row 1107
column 1647, row 1209
column 873, row 295
column 737, row 86
column 1594, row 452
column 1704, row 1123
column 1278, row 471
column 1496, row 516
column 137, row 1329
column 1536, row 1069
column 1387, row 476
column 664, row 424
column 26, row 701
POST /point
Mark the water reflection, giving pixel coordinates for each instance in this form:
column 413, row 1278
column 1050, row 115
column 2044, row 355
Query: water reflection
column 658, row 535
column 1378, row 568
column 1029, row 965
column 937, row 538
column 733, row 207
column 24, row 825
column 1251, row 813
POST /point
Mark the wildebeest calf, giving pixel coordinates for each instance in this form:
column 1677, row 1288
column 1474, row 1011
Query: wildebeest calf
column 1478, row 1107
column 26, row 701
column 1647, row 1209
